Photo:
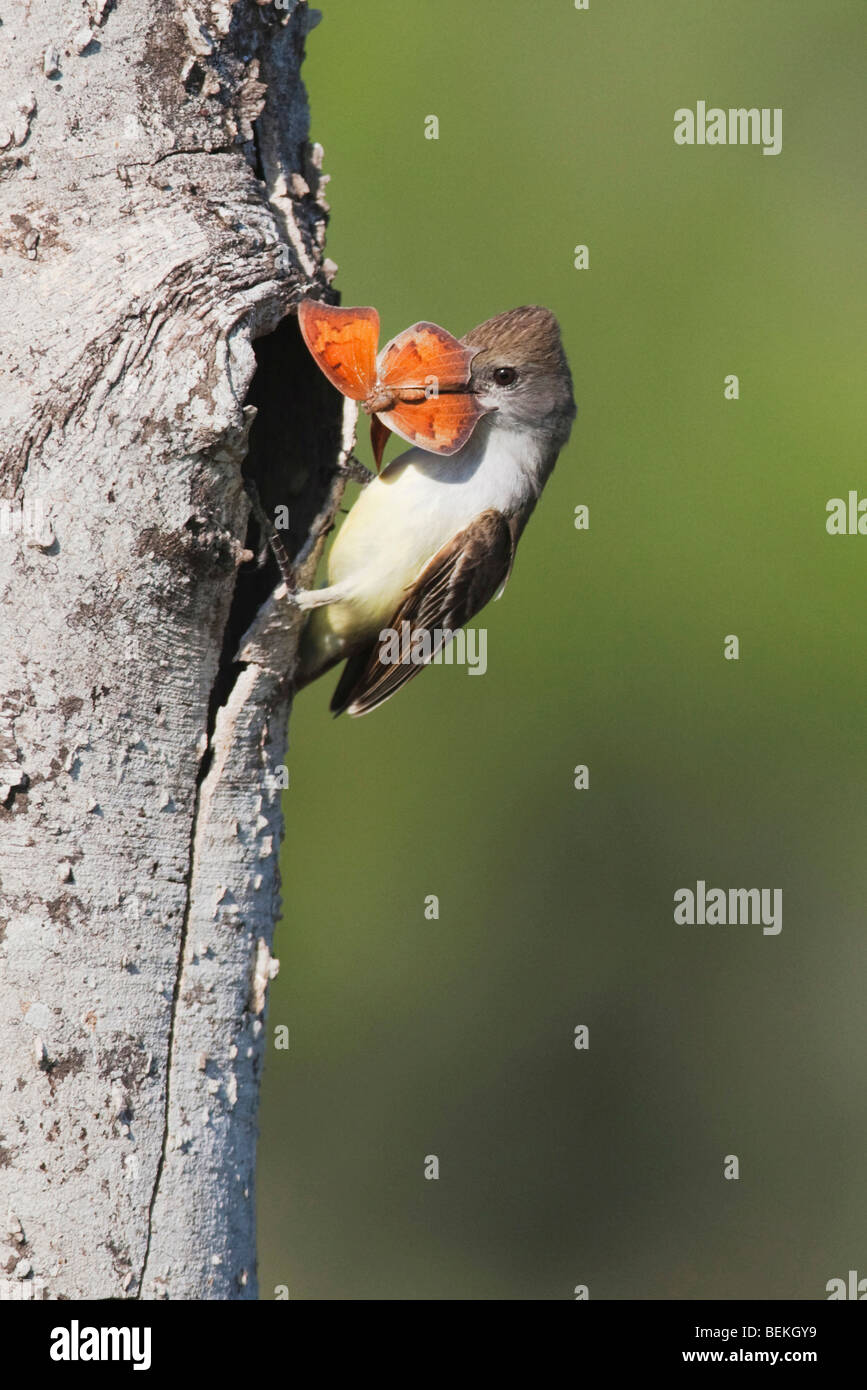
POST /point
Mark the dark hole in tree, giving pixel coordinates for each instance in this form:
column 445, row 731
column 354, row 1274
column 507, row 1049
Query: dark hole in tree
column 294, row 443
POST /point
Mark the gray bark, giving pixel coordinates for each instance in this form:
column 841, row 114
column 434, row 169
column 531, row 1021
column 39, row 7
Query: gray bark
column 148, row 235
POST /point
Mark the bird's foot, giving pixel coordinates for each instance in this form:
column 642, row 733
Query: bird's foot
column 268, row 530
column 353, row 469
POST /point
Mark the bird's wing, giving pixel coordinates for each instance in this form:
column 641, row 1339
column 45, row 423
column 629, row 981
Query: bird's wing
column 452, row 588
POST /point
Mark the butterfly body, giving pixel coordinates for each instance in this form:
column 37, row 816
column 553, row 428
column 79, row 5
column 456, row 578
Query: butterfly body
column 383, row 399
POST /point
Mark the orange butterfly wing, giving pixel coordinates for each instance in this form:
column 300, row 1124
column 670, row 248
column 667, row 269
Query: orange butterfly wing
column 343, row 344
column 427, row 357
column 442, row 425
column 424, row 351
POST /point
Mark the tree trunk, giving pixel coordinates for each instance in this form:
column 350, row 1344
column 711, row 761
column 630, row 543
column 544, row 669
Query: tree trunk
column 160, row 211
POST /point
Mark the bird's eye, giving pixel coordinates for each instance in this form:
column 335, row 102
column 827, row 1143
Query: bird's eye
column 505, row 376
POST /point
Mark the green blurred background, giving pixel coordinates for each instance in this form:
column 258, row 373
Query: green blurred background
column 707, row 517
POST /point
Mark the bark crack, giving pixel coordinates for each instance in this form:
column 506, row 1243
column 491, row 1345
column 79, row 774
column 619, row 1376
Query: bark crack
column 228, row 148
column 176, row 991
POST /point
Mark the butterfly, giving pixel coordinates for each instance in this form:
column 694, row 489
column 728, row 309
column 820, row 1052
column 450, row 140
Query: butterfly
column 417, row 387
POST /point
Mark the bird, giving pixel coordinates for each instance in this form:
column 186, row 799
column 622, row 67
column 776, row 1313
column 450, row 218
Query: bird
column 432, row 539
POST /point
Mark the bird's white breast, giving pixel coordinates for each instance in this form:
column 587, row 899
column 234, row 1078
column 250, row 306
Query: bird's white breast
column 420, row 502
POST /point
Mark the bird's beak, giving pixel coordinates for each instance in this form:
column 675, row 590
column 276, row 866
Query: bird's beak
column 379, row 434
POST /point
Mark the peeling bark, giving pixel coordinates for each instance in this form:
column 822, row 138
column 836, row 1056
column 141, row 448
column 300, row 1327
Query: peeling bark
column 160, row 209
